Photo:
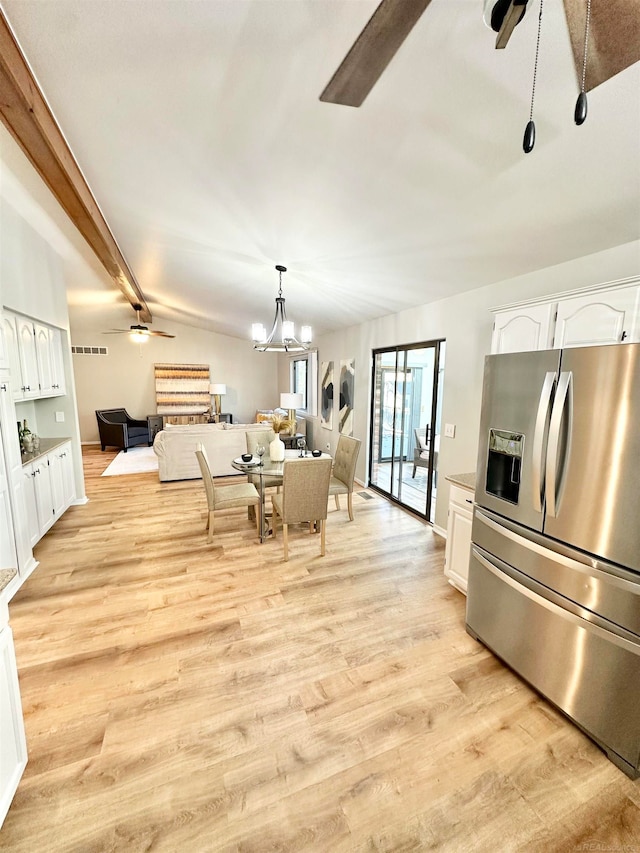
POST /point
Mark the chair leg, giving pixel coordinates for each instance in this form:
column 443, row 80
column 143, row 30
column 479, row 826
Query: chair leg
column 323, row 526
column 285, row 536
column 256, row 518
column 210, row 527
column 274, row 522
column 350, row 505
column 337, row 497
column 414, row 472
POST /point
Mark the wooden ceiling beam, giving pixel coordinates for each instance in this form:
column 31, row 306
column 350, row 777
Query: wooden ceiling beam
column 26, row 115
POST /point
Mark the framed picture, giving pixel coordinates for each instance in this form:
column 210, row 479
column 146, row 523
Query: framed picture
column 345, row 415
column 326, row 394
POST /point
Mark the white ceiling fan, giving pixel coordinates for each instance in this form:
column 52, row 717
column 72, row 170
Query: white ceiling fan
column 138, row 332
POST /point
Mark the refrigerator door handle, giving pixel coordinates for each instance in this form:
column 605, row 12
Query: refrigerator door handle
column 632, row 587
column 539, row 444
column 554, row 486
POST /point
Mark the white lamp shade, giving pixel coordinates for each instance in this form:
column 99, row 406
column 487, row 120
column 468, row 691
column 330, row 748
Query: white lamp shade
column 290, row 401
column 306, row 335
column 288, row 330
column 218, row 388
column 258, row 332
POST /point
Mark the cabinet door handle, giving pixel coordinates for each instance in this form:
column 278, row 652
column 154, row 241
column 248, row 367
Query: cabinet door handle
column 3, row 387
column 468, row 500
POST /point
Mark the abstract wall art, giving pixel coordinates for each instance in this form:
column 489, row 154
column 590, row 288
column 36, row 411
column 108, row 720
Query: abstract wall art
column 326, row 394
column 345, row 415
column 182, row 388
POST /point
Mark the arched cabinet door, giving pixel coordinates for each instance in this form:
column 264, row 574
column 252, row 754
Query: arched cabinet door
column 600, row 318
column 523, row 329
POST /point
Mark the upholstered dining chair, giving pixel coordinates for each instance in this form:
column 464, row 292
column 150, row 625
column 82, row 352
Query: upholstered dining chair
column 422, row 449
column 224, row 497
column 304, row 498
column 344, row 470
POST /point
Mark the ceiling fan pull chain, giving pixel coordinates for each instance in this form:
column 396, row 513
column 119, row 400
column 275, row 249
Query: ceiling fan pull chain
column 580, row 112
column 529, row 139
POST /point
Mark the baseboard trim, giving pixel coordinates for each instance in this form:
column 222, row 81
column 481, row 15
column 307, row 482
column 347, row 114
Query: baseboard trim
column 440, row 531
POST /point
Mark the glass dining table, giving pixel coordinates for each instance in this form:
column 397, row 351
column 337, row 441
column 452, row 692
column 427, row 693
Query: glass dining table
column 269, row 474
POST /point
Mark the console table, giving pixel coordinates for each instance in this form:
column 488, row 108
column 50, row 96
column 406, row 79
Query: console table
column 157, row 422
column 291, row 441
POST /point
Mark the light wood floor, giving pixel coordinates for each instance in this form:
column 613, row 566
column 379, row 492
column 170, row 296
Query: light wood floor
column 185, row 697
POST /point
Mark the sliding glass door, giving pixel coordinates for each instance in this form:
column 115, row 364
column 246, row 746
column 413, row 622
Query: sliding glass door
column 405, row 424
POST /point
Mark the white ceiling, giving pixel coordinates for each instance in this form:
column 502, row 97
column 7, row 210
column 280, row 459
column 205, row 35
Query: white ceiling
column 199, row 129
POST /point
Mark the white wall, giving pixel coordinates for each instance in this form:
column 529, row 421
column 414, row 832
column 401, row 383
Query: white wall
column 125, row 376
column 465, row 322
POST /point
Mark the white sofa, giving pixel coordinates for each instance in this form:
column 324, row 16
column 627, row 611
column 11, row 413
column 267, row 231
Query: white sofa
column 175, row 447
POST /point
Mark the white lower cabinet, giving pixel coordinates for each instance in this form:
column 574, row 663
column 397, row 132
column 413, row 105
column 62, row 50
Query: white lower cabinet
column 48, row 490
column 458, row 549
column 13, row 746
column 30, row 503
column 8, row 556
column 15, row 478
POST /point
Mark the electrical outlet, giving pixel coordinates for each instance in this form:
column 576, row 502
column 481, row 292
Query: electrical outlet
column 328, row 446
column 59, row 417
column 450, row 430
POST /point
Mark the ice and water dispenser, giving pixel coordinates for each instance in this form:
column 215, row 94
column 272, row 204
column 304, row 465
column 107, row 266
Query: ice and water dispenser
column 504, row 464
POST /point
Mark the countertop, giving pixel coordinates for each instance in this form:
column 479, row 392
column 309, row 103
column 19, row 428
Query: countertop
column 466, row 481
column 6, row 576
column 46, row 446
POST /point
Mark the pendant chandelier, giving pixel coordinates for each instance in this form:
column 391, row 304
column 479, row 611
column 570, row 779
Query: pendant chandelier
column 282, row 337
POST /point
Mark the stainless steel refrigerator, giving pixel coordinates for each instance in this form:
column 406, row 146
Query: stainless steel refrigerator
column 554, row 574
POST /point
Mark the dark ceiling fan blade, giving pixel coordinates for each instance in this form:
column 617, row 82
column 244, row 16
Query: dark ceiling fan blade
column 143, row 329
column 512, row 16
column 372, row 51
column 614, row 40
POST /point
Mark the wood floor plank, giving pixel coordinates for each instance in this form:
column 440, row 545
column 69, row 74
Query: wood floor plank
column 180, row 696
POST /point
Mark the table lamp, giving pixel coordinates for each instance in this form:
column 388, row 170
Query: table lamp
column 291, row 402
column 217, row 390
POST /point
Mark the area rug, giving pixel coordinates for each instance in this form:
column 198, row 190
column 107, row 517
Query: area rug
column 137, row 460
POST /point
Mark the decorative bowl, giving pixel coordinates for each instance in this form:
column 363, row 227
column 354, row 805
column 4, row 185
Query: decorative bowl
column 316, row 453
column 247, row 457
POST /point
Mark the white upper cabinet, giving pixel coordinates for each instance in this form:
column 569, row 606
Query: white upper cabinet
column 10, row 329
column 28, row 358
column 44, row 359
column 34, row 357
column 608, row 314
column 523, row 329
column 58, row 385
column 603, row 318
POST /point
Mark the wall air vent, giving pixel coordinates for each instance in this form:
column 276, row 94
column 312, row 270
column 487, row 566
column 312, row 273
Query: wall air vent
column 89, row 350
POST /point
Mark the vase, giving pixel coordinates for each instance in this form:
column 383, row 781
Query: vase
column 276, row 449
